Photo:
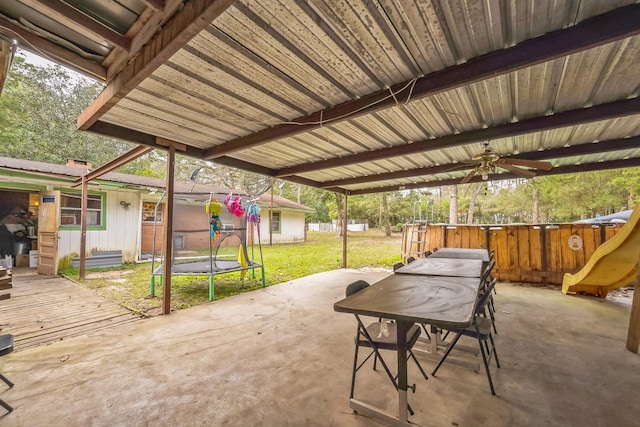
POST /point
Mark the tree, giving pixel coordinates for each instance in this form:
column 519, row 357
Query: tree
column 453, row 204
column 39, row 108
column 385, row 216
column 475, row 189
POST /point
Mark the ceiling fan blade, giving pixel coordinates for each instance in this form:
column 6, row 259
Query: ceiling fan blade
column 534, row 164
column 520, row 172
column 468, row 177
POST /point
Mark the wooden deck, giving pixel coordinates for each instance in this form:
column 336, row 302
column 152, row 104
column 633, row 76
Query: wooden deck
column 44, row 309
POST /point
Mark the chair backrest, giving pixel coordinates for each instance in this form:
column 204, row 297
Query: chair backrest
column 484, row 297
column 6, row 344
column 355, row 287
column 486, row 274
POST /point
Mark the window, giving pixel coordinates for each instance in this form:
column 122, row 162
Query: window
column 275, row 222
column 71, row 209
column 148, row 212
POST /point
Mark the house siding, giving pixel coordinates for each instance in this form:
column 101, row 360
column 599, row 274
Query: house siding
column 292, row 227
column 121, row 230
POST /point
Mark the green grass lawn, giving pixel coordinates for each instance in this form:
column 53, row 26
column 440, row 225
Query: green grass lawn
column 129, row 285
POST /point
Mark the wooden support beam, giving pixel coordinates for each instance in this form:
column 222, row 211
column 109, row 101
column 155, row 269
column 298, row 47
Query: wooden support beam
column 182, row 27
column 155, row 4
column 168, row 231
column 606, row 28
column 33, row 43
column 125, row 158
column 63, row 12
column 164, row 142
column 633, row 336
column 7, row 51
column 83, row 228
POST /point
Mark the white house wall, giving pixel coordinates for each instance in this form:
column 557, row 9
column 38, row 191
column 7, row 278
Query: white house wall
column 122, row 231
column 292, row 227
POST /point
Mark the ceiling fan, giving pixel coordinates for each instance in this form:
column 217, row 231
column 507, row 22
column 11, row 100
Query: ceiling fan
column 488, row 161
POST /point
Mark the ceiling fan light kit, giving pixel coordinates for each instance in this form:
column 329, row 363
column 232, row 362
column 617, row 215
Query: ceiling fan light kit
column 488, row 161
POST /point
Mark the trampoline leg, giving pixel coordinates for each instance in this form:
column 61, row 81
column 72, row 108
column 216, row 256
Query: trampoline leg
column 211, row 288
column 152, row 286
column 264, row 280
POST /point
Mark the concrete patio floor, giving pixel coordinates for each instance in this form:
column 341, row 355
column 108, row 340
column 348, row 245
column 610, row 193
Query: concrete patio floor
column 282, row 357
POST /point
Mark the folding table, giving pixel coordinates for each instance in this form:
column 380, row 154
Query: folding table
column 447, row 302
column 443, row 267
column 461, row 253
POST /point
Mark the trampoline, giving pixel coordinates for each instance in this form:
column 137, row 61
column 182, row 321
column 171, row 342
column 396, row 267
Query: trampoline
column 234, row 228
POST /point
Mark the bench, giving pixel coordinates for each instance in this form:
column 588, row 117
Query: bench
column 100, row 259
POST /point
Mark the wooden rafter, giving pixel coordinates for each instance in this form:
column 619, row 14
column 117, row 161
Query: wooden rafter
column 155, row 4
column 536, row 124
column 599, row 30
column 64, row 12
column 182, row 27
column 585, row 167
column 148, row 25
column 555, row 153
column 7, row 51
column 52, row 51
column 125, row 158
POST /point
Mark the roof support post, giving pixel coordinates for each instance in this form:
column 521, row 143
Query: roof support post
column 168, row 234
column 83, row 228
column 344, row 230
column 633, row 336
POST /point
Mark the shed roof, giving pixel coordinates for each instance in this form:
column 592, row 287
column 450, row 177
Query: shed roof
column 355, row 96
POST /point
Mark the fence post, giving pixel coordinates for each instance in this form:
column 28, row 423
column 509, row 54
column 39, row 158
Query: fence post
column 603, row 233
column 486, row 237
column 543, row 252
column 444, row 236
column 633, row 336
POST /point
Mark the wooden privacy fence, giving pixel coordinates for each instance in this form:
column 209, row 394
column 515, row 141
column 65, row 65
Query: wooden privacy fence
column 538, row 253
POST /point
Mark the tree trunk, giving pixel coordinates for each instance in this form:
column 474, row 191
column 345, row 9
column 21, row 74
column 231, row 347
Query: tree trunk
column 475, row 189
column 453, row 204
column 535, row 219
column 299, row 196
column 385, row 216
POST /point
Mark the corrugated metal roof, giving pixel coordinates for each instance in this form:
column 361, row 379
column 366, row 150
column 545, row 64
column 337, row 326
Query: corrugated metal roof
column 144, row 182
column 364, row 95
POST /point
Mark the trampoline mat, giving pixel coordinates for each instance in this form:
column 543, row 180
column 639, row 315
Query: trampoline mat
column 204, row 267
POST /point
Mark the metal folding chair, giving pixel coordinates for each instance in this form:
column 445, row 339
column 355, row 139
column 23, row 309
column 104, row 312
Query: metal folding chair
column 6, row 347
column 380, row 335
column 481, row 331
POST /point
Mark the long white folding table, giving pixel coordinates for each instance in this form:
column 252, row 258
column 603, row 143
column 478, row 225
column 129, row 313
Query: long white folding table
column 461, row 253
column 451, row 267
column 443, row 301
column 443, row 267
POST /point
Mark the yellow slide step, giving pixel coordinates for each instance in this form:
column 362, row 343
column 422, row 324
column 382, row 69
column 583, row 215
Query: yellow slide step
column 612, row 265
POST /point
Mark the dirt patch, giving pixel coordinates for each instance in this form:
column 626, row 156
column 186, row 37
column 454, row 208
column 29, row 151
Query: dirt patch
column 109, row 274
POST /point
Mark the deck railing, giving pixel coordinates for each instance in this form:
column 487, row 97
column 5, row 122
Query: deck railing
column 538, row 253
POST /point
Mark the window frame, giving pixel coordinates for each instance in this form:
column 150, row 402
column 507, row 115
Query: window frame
column 153, row 219
column 102, row 212
column 279, row 222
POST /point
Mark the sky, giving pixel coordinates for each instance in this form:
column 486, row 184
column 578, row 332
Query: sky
column 34, row 59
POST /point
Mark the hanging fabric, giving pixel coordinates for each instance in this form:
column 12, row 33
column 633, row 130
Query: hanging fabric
column 212, row 208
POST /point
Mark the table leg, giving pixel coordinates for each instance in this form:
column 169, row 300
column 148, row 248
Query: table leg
column 401, row 330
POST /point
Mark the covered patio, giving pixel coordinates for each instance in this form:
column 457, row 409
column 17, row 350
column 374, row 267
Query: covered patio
column 281, row 356
column 357, row 98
